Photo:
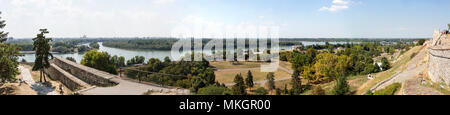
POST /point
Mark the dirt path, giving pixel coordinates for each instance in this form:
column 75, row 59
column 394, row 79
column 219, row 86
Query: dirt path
column 414, row 68
column 130, row 87
column 414, row 87
column 40, row 88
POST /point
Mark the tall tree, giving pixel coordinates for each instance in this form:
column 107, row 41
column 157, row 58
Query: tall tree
column 42, row 48
column 239, row 87
column 270, row 81
column 8, row 57
column 385, row 64
column 99, row 60
column 249, row 80
column 3, row 35
column 341, row 87
column 296, row 83
column 448, row 26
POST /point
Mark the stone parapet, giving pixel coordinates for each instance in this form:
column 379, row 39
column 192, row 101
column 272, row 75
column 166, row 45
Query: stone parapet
column 87, row 74
column 70, row 81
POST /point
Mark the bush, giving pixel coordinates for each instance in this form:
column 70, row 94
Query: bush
column 389, row 90
column 213, row 90
column 421, row 42
column 318, row 91
column 368, row 92
column 71, row 59
column 261, row 91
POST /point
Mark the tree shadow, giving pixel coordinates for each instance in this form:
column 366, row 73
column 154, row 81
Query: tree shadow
column 42, row 89
column 6, row 91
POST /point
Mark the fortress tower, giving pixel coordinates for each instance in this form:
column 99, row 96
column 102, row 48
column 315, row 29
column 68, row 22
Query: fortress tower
column 439, row 57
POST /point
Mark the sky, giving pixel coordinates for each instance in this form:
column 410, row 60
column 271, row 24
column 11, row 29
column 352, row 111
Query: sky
column 212, row 18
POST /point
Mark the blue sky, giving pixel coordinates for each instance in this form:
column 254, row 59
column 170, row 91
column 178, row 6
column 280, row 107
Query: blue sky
column 294, row 18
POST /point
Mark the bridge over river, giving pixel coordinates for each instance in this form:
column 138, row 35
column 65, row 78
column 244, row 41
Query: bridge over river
column 89, row 81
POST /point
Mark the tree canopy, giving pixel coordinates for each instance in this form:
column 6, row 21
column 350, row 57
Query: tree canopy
column 8, row 57
column 42, row 48
column 99, row 60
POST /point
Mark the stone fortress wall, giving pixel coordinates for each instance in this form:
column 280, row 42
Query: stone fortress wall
column 66, row 78
column 76, row 76
column 439, row 58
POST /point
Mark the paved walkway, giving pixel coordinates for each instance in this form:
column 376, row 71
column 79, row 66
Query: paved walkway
column 129, row 87
column 40, row 88
column 414, row 87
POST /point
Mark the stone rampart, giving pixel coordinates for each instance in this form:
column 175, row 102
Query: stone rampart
column 439, row 65
column 67, row 79
column 87, row 74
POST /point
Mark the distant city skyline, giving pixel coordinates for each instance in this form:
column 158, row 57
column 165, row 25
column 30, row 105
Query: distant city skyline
column 160, row 18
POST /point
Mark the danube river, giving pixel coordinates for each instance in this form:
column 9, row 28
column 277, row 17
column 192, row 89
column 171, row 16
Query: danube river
column 128, row 54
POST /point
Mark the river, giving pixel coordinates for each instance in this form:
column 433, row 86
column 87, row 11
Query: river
column 128, row 54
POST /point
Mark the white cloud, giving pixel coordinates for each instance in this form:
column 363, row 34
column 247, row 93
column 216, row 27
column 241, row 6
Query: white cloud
column 342, row 2
column 160, row 2
column 336, row 6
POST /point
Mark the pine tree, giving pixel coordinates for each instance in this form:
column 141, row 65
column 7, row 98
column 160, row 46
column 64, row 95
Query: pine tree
column 249, row 80
column 341, row 87
column 270, row 81
column 3, row 35
column 8, row 57
column 385, row 64
column 239, row 87
column 42, row 47
column 296, row 83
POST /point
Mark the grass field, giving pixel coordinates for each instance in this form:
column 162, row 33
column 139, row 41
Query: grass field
column 231, row 65
column 228, row 76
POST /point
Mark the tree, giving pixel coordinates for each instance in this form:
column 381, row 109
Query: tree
column 8, row 57
column 421, row 42
column 71, row 59
column 94, row 45
column 249, row 80
column 261, row 91
column 3, row 35
column 385, row 64
column 341, row 87
column 167, row 60
column 448, row 26
column 99, row 60
column 213, row 90
column 42, row 47
column 239, row 87
column 271, row 81
column 121, row 62
column 296, row 83
column 318, row 91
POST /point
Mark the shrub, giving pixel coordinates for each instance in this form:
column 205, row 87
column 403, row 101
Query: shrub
column 368, row 92
column 389, row 90
column 261, row 91
column 213, row 90
column 318, row 91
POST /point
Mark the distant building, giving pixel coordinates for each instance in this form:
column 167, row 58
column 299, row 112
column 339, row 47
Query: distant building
column 294, row 47
column 10, row 39
column 84, row 36
column 340, row 48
